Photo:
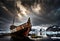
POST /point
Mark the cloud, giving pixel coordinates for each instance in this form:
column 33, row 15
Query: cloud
column 41, row 12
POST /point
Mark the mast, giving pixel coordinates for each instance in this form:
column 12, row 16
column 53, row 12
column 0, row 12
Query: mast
column 13, row 20
column 15, row 5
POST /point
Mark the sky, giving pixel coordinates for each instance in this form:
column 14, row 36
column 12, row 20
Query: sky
column 40, row 12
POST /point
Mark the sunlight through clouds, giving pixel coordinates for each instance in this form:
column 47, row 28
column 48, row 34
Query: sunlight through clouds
column 23, row 10
column 36, row 8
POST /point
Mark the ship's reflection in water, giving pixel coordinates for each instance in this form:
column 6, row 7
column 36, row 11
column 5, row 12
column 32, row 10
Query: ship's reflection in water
column 8, row 38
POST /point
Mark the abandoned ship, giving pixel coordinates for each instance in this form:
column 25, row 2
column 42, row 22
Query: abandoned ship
column 21, row 32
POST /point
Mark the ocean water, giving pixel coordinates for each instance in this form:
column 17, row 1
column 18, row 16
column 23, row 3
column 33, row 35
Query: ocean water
column 8, row 38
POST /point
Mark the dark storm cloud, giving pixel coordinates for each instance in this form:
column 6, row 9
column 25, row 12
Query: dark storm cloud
column 7, row 9
column 50, row 11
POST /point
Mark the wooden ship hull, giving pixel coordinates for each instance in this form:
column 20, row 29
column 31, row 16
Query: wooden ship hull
column 21, row 30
